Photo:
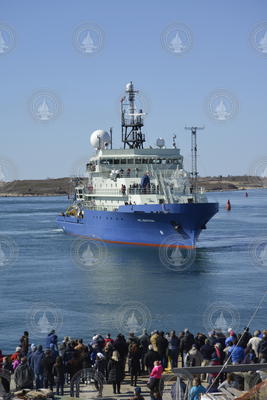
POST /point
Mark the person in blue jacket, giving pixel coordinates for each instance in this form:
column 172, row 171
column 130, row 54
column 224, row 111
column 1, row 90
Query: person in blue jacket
column 36, row 364
column 51, row 338
column 196, row 389
column 237, row 353
column 145, row 182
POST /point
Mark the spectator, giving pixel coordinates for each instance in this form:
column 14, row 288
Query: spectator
column 24, row 375
column 115, row 372
column 24, row 343
column 173, row 349
column 59, row 375
column 150, row 357
column 196, row 389
column 255, row 342
column 36, row 364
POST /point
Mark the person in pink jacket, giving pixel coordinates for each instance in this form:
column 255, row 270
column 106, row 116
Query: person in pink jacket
column 154, row 380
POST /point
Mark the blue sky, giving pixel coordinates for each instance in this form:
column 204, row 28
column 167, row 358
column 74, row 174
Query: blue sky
column 176, row 87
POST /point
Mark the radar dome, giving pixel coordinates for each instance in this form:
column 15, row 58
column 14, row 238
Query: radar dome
column 129, row 87
column 160, row 142
column 99, row 139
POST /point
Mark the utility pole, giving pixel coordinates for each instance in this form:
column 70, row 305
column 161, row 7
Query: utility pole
column 194, row 171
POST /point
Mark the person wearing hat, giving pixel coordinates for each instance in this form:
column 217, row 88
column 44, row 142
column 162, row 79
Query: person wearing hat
column 36, row 364
column 15, row 355
column 100, row 372
column 33, row 348
column 115, row 372
column 51, row 338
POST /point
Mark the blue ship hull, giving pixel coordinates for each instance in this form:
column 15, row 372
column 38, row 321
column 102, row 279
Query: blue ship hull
column 176, row 225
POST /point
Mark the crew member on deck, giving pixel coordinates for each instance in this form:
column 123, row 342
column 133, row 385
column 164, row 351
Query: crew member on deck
column 145, row 182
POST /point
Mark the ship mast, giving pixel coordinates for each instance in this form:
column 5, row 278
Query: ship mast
column 194, row 171
column 131, row 120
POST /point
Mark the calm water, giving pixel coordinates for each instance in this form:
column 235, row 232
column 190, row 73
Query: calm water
column 45, row 288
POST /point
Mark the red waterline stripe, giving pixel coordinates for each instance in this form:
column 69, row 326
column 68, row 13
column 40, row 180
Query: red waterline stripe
column 136, row 243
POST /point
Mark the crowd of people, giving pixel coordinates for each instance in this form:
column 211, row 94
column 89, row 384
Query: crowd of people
column 53, row 364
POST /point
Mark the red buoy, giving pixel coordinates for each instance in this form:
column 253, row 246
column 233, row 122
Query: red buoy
column 228, row 205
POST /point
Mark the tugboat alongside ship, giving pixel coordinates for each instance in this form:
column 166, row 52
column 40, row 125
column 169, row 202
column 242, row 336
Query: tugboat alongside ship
column 136, row 195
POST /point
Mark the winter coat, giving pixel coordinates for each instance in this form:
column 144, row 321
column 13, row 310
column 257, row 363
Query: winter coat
column 156, row 372
column 134, row 363
column 194, row 358
column 144, row 343
column 24, row 343
column 115, row 371
column 150, row 357
column 36, row 362
column 58, row 372
column 245, row 339
column 206, row 350
column 47, row 364
column 153, row 341
column 186, row 342
column 200, row 340
column 174, row 343
column 73, row 366
column 51, row 339
column 30, row 358
column 263, row 348
column 23, row 377
column 162, row 345
column 237, row 354
column 121, row 346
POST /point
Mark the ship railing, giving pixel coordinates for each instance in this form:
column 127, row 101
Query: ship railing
column 125, row 191
column 91, row 206
column 118, row 171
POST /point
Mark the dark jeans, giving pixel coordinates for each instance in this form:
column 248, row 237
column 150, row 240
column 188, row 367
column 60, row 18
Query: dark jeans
column 48, row 382
column 39, row 381
column 116, row 387
column 133, row 379
column 59, row 386
column 174, row 358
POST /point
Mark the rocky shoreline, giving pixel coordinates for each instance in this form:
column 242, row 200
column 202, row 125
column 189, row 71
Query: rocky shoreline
column 65, row 186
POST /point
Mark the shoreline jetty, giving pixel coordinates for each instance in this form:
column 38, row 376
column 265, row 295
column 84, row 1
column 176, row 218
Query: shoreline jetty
column 65, row 186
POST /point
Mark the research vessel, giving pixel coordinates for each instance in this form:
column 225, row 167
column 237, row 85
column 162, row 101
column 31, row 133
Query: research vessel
column 138, row 195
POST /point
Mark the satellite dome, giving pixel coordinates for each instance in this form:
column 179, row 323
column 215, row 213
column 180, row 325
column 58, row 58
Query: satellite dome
column 99, row 139
column 160, row 142
column 129, row 87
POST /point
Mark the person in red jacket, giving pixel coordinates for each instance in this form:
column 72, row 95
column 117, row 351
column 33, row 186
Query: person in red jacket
column 17, row 353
